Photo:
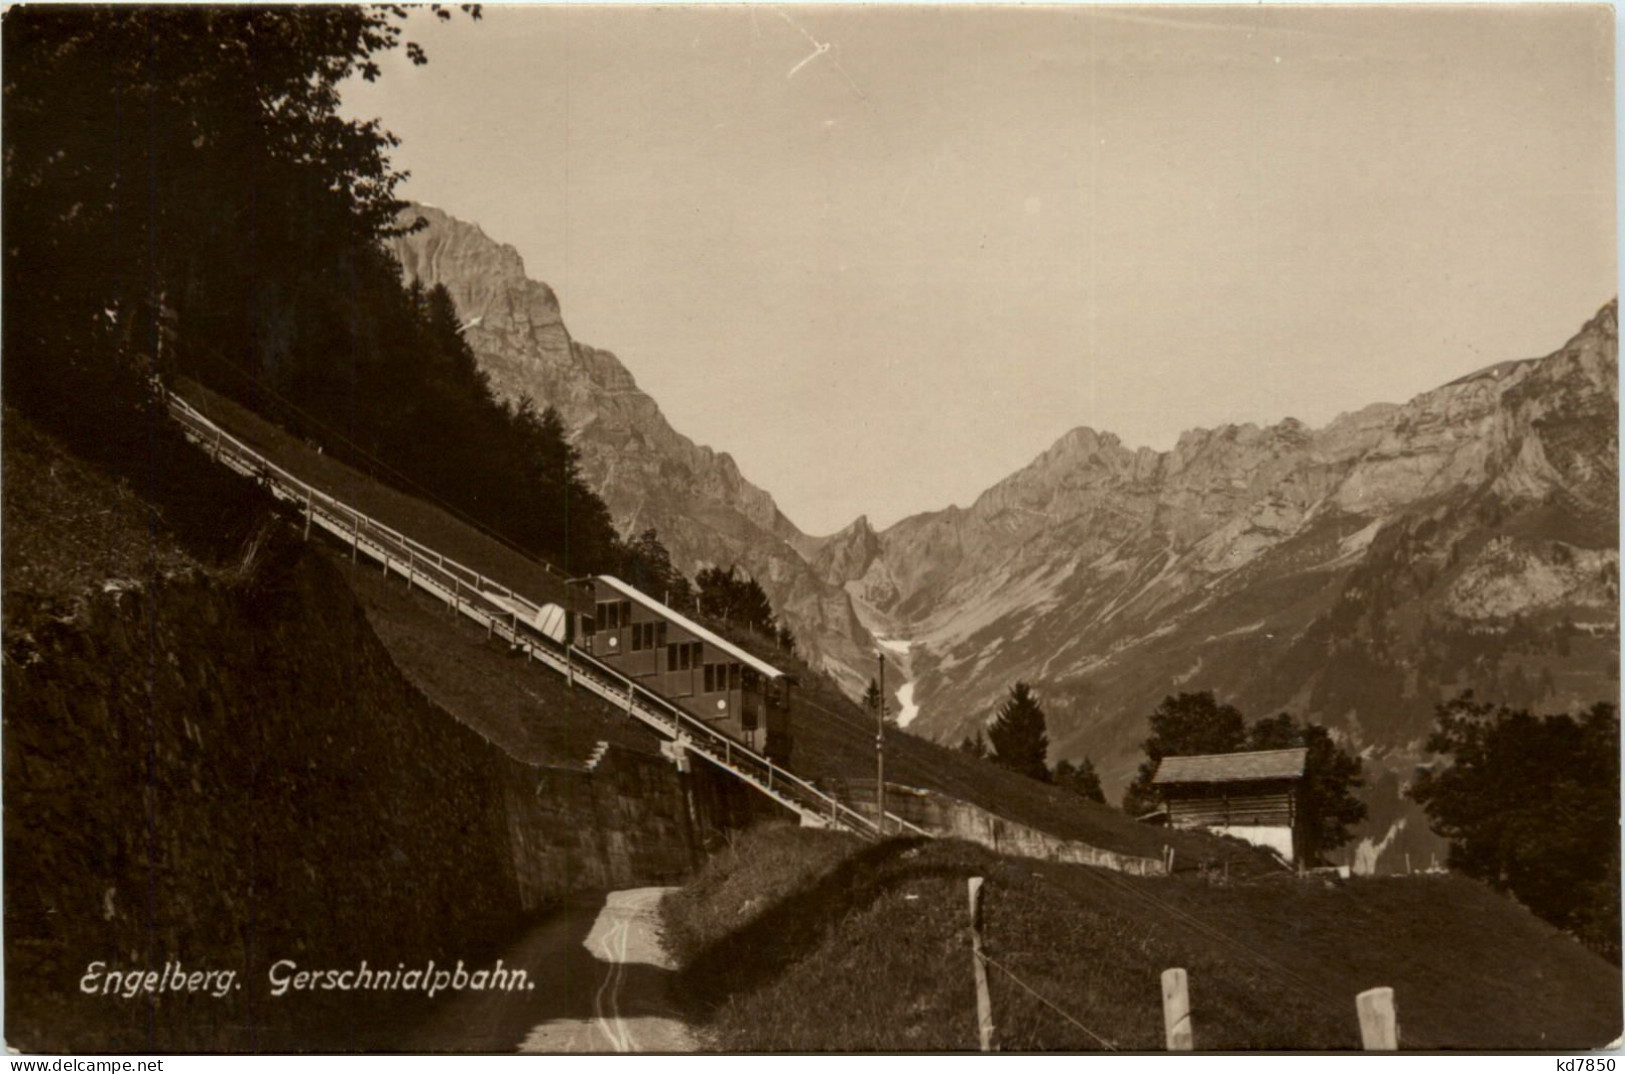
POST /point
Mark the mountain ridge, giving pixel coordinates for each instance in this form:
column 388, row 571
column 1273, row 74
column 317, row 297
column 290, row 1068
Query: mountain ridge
column 1354, row 574
column 648, row 473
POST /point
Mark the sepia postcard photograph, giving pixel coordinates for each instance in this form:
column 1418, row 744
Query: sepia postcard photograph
column 754, row 528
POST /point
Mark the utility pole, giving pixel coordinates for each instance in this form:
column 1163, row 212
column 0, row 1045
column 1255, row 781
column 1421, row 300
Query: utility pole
column 880, row 749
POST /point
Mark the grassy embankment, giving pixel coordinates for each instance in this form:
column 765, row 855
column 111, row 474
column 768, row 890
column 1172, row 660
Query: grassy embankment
column 536, row 718
column 798, row 940
column 74, row 524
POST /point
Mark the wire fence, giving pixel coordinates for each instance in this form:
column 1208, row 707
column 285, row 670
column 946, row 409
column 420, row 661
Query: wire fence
column 1045, row 1000
column 1335, row 1003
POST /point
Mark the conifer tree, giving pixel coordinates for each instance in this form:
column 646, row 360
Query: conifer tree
column 974, row 745
column 1080, row 778
column 1018, row 736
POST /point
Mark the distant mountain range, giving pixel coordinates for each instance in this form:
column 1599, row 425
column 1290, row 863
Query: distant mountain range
column 1354, row 575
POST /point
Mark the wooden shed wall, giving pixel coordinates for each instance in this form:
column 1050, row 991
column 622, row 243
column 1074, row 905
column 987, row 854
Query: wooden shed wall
column 1270, row 804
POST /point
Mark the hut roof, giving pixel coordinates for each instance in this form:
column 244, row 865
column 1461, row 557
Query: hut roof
column 1233, row 767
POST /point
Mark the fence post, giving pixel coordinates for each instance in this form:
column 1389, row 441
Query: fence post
column 1176, row 1010
column 1379, row 1027
column 984, row 1003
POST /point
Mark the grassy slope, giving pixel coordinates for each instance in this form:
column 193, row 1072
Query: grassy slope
column 833, row 737
column 794, row 940
column 434, row 526
column 69, row 527
column 531, row 713
column 74, row 524
column 834, row 741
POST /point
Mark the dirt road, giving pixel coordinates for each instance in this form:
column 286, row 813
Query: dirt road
column 601, row 986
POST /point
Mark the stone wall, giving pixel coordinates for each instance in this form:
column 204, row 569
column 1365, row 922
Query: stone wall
column 941, row 815
column 631, row 821
column 223, row 774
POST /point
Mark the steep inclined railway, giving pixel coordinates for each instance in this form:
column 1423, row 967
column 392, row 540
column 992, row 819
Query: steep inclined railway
column 501, row 611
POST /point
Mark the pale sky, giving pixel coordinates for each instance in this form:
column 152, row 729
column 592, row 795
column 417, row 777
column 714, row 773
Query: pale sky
column 886, row 274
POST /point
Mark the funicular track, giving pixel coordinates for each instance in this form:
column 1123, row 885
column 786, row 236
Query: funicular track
column 500, row 610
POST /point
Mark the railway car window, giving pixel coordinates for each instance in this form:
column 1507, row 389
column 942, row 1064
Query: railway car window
column 626, row 613
column 660, row 634
column 699, row 652
column 685, row 657
column 733, row 676
column 671, row 658
column 589, row 625
column 710, row 678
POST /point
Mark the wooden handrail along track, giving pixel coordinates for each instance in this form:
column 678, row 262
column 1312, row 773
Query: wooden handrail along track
column 470, row 593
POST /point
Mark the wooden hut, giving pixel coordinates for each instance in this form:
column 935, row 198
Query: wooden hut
column 1253, row 796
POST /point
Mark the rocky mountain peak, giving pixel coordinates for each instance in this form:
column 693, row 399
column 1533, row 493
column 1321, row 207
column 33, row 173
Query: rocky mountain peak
column 847, row 554
column 649, row 474
column 1352, row 574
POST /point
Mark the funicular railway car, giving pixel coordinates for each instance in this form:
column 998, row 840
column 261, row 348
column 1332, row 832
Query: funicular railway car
column 669, row 654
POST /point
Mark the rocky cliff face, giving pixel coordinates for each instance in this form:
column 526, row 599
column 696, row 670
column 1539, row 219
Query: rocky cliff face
column 1354, row 574
column 648, row 473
